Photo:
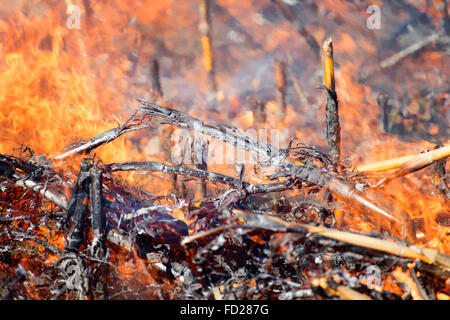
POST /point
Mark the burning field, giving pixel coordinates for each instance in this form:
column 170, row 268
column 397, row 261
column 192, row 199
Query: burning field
column 224, row 149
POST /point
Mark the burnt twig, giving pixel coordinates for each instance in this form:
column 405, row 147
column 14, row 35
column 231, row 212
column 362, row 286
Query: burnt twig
column 83, row 147
column 154, row 166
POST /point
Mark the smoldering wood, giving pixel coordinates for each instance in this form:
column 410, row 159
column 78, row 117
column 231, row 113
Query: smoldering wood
column 22, row 217
column 420, row 288
column 271, row 201
column 78, row 205
column 98, row 221
column 166, row 148
column 115, row 236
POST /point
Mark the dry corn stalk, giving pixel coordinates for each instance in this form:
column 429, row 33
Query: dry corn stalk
column 328, row 64
column 332, row 106
column 407, row 162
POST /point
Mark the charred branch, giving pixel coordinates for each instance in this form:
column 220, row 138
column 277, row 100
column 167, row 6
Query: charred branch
column 201, row 174
column 83, row 147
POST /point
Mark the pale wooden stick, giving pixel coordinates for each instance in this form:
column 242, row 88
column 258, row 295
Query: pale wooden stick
column 421, row 159
column 343, row 292
column 347, row 293
column 391, row 61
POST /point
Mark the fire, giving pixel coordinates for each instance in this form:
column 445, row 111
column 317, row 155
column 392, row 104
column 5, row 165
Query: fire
column 60, row 85
column 48, row 99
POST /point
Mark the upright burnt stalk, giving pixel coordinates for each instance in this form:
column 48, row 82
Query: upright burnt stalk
column 208, row 53
column 98, row 221
column 199, row 155
column 155, row 78
column 165, row 133
column 383, row 102
column 87, row 196
column 332, row 117
column 259, row 112
column 442, row 7
column 280, row 74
